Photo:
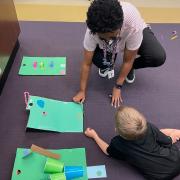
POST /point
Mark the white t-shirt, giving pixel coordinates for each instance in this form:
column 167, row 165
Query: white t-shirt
column 131, row 32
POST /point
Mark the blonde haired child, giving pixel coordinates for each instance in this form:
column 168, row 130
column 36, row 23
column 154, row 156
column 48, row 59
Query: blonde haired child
column 143, row 145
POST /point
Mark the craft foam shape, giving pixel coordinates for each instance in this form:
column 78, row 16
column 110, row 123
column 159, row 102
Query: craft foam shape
column 43, row 66
column 73, row 172
column 96, row 172
column 35, row 65
column 59, row 116
column 40, row 103
column 26, row 152
column 44, row 152
column 174, row 32
column 51, row 64
column 62, row 72
column 32, row 168
column 174, row 37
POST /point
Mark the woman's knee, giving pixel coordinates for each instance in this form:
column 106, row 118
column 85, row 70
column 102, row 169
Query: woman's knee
column 159, row 58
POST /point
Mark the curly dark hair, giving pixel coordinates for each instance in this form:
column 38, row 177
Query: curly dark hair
column 104, row 16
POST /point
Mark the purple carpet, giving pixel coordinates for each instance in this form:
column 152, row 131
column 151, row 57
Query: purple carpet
column 156, row 93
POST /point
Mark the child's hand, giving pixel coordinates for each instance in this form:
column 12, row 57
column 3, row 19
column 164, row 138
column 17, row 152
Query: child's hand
column 91, row 133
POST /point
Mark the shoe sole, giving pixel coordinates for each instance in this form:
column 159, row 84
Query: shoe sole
column 103, row 75
column 130, row 81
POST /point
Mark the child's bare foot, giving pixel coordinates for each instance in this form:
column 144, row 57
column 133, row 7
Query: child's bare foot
column 175, row 136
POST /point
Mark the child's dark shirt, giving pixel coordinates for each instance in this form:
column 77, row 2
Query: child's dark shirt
column 153, row 155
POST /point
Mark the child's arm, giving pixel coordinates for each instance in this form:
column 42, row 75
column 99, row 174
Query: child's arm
column 91, row 133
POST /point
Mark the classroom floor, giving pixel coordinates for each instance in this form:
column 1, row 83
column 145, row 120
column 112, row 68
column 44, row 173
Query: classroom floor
column 155, row 93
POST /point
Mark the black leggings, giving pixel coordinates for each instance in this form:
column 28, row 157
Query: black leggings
column 152, row 54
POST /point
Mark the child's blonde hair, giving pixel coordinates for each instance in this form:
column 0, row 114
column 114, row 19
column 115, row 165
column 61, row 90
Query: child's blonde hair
column 130, row 124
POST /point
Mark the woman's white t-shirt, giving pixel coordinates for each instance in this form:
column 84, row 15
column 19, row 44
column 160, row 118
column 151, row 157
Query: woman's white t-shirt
column 131, row 32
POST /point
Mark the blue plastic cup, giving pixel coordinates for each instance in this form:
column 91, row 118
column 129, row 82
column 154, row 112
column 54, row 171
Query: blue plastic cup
column 72, row 172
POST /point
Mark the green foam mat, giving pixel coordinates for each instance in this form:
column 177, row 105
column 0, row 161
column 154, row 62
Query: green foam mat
column 48, row 114
column 43, row 66
column 32, row 166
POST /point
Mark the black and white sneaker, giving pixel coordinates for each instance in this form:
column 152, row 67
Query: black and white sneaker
column 103, row 72
column 131, row 76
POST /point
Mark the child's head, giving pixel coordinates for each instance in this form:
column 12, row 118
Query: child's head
column 130, row 124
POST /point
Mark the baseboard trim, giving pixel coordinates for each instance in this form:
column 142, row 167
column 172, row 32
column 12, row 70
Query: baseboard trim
column 77, row 13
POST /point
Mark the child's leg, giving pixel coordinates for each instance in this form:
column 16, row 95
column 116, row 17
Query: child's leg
column 173, row 133
column 167, row 132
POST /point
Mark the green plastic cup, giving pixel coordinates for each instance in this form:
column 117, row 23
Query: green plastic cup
column 53, row 166
column 57, row 176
